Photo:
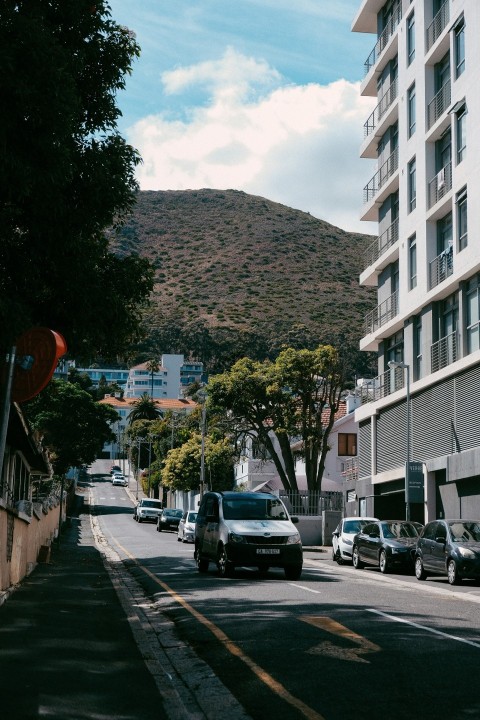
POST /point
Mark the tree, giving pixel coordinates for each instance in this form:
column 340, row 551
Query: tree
column 143, row 409
column 74, row 426
column 294, row 398
column 153, row 366
column 66, row 177
column 181, row 470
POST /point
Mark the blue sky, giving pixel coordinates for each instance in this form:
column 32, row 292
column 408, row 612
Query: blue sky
column 254, row 95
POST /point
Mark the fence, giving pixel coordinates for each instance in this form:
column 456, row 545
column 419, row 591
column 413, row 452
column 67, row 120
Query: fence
column 304, row 502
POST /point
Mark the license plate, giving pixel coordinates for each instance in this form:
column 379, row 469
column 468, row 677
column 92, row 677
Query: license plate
column 268, row 551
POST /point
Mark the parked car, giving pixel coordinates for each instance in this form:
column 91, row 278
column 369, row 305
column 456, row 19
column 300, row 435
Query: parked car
column 119, row 479
column 386, row 543
column 169, row 519
column 451, row 548
column 342, row 537
column 246, row 528
column 114, row 469
column 186, row 527
column 147, row 509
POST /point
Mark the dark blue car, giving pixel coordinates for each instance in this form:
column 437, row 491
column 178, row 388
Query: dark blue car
column 451, row 548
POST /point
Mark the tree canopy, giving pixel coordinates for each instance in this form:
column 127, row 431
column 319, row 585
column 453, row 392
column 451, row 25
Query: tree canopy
column 66, row 177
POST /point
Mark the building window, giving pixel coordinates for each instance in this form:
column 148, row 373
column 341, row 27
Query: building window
column 462, row 231
column 412, row 262
column 411, row 110
column 411, row 39
column 473, row 314
column 418, row 340
column 412, row 185
column 461, row 131
column 459, row 31
column 347, row 444
column 394, row 348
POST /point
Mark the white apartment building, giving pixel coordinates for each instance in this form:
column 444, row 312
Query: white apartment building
column 423, row 135
column 169, row 381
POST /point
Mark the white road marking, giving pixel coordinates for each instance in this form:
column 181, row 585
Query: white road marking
column 423, row 627
column 302, row 587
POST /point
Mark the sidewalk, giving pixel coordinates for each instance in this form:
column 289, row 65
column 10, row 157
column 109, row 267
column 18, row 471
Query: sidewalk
column 67, row 650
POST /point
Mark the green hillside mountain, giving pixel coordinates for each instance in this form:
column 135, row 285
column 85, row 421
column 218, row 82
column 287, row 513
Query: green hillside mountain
column 237, row 274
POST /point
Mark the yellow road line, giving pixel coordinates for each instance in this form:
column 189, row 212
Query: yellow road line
column 232, row 647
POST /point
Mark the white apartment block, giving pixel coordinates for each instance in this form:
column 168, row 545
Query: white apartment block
column 169, row 381
column 423, row 137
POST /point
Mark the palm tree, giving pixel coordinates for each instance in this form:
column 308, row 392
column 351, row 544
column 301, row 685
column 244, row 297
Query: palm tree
column 153, row 366
column 143, row 409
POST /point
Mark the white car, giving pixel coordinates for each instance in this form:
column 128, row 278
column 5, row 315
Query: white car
column 342, row 537
column 148, row 509
column 119, row 479
column 186, row 527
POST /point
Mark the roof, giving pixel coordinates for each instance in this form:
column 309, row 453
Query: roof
column 144, row 366
column 162, row 403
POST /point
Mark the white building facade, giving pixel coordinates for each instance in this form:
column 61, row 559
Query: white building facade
column 172, row 377
column 425, row 263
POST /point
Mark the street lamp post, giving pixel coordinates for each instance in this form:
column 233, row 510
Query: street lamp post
column 404, row 366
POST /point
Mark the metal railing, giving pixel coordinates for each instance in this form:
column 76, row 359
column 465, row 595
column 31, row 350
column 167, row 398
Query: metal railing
column 439, row 104
column 438, row 25
column 385, row 102
column 350, row 469
column 383, row 39
column 439, row 185
column 384, row 384
column 440, row 268
column 380, row 315
column 444, row 351
column 381, row 244
column 383, row 174
column 305, row 502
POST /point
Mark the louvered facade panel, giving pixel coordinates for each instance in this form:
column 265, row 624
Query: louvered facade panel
column 365, row 450
column 467, row 410
column 432, row 418
column 391, row 438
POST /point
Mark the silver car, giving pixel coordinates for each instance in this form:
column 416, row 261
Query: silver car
column 186, row 527
column 342, row 537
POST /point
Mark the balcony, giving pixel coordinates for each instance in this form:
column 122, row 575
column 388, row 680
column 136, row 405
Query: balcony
column 439, row 104
column 381, row 244
column 383, row 385
column 381, row 176
column 385, row 102
column 438, row 25
column 440, row 185
column 440, row 268
column 382, row 314
column 383, row 40
column 444, row 351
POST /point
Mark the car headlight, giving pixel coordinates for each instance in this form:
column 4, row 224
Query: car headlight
column 234, row 538
column 397, row 551
column 466, row 552
column 293, row 539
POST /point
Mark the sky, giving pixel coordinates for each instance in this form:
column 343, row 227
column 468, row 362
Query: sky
column 254, row 95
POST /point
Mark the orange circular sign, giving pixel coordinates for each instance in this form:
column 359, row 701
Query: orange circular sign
column 38, row 351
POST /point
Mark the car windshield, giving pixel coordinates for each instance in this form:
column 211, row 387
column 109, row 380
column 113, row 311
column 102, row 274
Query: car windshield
column 254, row 509
column 152, row 503
column 173, row 513
column 354, row 526
column 191, row 517
column 399, row 530
column 465, row 531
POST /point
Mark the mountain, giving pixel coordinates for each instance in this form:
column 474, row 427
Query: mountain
column 237, row 274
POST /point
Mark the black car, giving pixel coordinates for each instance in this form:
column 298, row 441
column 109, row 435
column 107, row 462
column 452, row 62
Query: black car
column 387, row 544
column 451, row 548
column 169, row 519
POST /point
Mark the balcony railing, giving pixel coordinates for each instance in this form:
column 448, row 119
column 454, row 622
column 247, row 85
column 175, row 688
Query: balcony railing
column 440, row 185
column 381, row 244
column 381, row 176
column 385, row 102
column 382, row 314
column 438, row 24
column 439, row 104
column 444, row 351
column 385, row 384
column 441, row 267
column 383, row 39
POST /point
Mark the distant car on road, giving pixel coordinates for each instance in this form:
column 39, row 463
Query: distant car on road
column 115, row 469
column 169, row 519
column 342, row 537
column 119, row 479
column 387, row 544
column 449, row 547
column 186, row 527
column 148, row 509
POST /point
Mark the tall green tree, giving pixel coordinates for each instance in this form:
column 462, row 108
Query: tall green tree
column 294, row 398
column 143, row 409
column 74, row 426
column 181, row 470
column 66, row 176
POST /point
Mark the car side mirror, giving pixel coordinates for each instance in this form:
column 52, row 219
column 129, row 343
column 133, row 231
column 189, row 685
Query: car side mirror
column 294, row 519
column 335, row 534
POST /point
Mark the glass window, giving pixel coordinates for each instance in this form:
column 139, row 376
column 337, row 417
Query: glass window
column 347, row 444
column 461, row 130
column 412, row 185
column 473, row 314
column 412, row 261
column 459, row 48
column 462, row 231
column 418, row 340
column 411, row 110
column 410, row 38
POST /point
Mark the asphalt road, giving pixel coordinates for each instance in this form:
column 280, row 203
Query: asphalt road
column 336, row 644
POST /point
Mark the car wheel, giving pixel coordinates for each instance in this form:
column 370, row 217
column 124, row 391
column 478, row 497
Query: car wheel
column 452, row 573
column 139, row 519
column 224, row 566
column 159, row 528
column 293, row 572
column 202, row 563
column 357, row 563
column 338, row 557
column 179, row 539
column 420, row 573
column 383, row 562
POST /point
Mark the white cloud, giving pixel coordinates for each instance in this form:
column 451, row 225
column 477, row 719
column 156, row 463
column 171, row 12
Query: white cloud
column 297, row 145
